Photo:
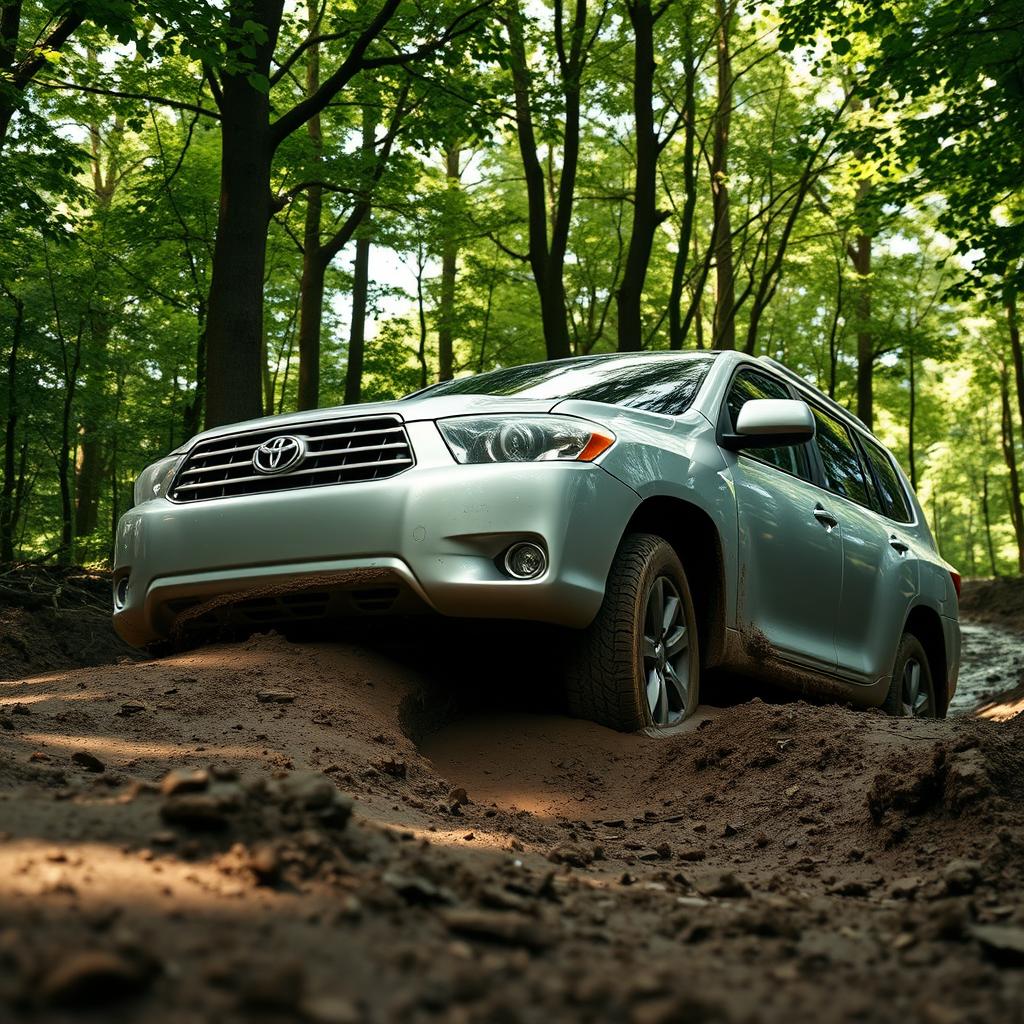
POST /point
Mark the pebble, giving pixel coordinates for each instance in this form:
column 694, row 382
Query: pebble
column 91, row 977
column 184, row 780
column 88, row 761
column 1003, row 944
column 503, row 926
column 330, row 1010
column 961, row 876
column 276, row 696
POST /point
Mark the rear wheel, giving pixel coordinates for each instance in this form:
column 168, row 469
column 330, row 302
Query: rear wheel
column 912, row 690
column 638, row 664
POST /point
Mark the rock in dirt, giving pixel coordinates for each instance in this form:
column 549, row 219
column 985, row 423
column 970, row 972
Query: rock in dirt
column 571, row 855
column 967, row 780
column 88, row 761
column 502, row 926
column 330, row 1010
column 726, row 886
column 417, row 890
column 265, row 863
column 457, row 799
column 130, row 708
column 276, row 696
column 184, row 780
column 201, row 812
column 92, row 977
column 269, row 987
column 961, row 876
column 1002, row 944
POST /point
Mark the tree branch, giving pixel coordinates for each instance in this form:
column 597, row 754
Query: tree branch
column 162, row 101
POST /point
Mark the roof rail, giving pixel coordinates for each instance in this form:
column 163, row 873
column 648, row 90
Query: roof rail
column 818, row 394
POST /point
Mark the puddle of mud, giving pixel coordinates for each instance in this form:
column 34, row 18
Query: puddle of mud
column 991, row 666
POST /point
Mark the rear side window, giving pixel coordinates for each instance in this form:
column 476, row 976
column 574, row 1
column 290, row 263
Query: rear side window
column 843, row 472
column 894, row 498
column 749, row 384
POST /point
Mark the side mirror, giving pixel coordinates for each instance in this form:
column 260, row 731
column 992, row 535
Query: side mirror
column 771, row 423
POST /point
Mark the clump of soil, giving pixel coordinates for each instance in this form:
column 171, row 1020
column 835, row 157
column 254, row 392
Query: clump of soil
column 249, row 831
column 999, row 600
column 55, row 618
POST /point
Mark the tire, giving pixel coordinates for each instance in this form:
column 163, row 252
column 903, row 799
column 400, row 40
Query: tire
column 618, row 662
column 912, row 689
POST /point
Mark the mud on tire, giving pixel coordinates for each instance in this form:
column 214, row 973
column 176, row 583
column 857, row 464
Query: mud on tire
column 609, row 672
column 910, row 686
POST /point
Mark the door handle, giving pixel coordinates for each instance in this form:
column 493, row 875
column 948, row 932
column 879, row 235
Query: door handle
column 898, row 546
column 825, row 517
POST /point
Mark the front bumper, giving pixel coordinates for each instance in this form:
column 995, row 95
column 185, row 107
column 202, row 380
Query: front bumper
column 431, row 534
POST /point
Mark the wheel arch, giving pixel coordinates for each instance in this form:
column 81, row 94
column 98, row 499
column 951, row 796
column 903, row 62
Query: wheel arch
column 925, row 623
column 696, row 540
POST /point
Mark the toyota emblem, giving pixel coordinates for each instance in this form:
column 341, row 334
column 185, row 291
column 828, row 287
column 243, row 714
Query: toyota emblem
column 279, row 454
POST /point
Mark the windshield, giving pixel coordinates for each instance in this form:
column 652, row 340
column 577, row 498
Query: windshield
column 653, row 381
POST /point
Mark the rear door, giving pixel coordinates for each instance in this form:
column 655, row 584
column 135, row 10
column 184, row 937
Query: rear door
column 791, row 555
column 879, row 581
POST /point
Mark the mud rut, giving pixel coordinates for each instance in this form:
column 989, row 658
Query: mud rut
column 321, row 832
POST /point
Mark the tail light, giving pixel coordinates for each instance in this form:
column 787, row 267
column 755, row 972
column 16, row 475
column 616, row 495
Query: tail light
column 955, row 577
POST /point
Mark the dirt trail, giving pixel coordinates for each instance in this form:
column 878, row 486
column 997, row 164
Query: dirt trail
column 306, row 860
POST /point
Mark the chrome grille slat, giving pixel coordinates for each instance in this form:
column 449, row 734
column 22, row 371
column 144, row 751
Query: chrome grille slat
column 202, row 477
column 296, row 472
column 312, row 455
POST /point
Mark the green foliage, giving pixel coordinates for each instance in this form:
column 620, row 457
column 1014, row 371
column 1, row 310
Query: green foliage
column 898, row 121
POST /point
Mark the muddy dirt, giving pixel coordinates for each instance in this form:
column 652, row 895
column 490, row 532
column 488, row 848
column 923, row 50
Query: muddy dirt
column 314, row 832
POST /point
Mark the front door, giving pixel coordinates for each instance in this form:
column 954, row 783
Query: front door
column 791, row 552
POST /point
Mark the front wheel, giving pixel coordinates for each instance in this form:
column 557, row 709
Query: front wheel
column 638, row 663
column 912, row 690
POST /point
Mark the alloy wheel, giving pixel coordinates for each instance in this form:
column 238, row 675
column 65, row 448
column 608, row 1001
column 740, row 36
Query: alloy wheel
column 666, row 653
column 916, row 699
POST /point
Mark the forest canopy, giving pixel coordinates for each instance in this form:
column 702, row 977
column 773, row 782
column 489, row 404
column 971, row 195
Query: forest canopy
column 212, row 212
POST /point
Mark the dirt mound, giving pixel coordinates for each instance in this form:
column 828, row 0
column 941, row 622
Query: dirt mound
column 999, row 600
column 55, row 618
column 250, row 830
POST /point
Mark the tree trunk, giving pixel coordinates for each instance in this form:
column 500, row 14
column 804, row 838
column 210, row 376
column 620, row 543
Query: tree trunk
column 546, row 261
column 313, row 267
column 1018, row 357
column 8, row 516
column 65, row 477
column 194, row 410
column 910, row 422
column 311, row 304
column 833, row 334
column 421, row 310
column 988, row 523
column 360, row 277
column 865, row 339
column 646, row 216
column 357, row 334
column 91, row 473
column 449, row 258
column 725, row 292
column 676, row 336
column 235, row 307
column 1010, row 456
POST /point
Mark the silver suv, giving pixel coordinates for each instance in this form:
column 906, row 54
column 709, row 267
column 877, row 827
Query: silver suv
column 680, row 512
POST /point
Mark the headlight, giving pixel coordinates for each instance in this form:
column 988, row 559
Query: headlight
column 476, row 439
column 154, row 480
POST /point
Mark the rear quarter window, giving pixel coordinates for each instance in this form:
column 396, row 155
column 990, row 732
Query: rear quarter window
column 894, row 498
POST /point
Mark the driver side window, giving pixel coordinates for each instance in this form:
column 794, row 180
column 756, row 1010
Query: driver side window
column 750, row 384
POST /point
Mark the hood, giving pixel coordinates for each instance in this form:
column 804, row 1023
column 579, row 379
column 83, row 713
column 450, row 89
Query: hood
column 410, row 410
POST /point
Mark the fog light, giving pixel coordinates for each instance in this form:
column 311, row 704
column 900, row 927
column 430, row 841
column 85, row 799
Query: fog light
column 121, row 592
column 525, row 561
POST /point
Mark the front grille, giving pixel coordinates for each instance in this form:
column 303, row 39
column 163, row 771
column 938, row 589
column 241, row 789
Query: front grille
column 337, row 452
